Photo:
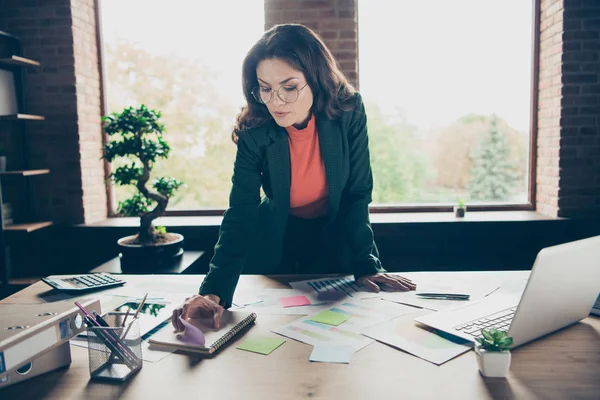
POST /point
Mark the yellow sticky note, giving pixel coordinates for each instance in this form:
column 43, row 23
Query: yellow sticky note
column 330, row 317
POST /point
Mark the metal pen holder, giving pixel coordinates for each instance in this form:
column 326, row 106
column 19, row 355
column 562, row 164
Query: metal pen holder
column 115, row 353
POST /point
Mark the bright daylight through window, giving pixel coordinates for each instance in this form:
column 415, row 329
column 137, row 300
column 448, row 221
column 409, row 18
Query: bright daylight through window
column 183, row 58
column 447, row 88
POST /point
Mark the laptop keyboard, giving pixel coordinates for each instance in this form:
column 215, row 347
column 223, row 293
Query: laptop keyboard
column 500, row 321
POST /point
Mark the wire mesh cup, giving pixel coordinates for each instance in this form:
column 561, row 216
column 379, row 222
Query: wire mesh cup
column 115, row 353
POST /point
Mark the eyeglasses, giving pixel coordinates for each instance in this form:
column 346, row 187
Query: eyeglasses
column 287, row 94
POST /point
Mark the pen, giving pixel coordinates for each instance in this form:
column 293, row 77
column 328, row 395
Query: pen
column 444, row 296
column 112, row 341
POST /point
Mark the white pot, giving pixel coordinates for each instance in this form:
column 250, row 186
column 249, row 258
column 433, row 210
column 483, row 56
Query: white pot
column 493, row 364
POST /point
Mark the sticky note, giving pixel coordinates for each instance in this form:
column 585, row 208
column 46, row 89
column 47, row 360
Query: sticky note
column 294, row 301
column 261, row 345
column 332, row 353
column 330, row 317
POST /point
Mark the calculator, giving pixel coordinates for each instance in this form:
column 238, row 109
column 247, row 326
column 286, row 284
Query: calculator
column 83, row 282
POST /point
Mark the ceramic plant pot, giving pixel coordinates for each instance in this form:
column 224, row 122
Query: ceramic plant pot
column 493, row 364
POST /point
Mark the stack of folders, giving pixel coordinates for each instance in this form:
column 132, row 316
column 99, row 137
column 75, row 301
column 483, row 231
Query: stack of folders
column 29, row 331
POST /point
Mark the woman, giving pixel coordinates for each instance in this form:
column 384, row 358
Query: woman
column 303, row 138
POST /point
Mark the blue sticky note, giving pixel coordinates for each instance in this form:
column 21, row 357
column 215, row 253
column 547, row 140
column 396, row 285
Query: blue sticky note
column 332, row 353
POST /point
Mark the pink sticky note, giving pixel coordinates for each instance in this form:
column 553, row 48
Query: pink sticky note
column 294, row 301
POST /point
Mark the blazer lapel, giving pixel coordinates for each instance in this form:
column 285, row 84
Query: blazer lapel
column 330, row 143
column 278, row 157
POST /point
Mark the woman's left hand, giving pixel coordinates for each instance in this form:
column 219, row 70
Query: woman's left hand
column 394, row 281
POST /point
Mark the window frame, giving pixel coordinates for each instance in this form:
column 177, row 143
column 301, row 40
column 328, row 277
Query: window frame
column 403, row 208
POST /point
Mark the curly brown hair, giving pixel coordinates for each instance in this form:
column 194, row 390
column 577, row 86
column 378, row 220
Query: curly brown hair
column 305, row 51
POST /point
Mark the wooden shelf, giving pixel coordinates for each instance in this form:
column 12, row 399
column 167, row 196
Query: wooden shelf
column 30, row 172
column 23, row 116
column 29, row 227
column 17, row 60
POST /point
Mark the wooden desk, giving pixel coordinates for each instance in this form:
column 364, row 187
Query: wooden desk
column 563, row 365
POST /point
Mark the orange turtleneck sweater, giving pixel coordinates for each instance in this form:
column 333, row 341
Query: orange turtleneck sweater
column 309, row 194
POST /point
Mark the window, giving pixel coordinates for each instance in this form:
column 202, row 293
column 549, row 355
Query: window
column 183, row 58
column 447, row 87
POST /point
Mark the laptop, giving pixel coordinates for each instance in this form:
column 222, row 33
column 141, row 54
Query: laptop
column 561, row 290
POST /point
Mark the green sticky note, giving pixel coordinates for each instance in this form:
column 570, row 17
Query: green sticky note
column 261, row 345
column 330, row 317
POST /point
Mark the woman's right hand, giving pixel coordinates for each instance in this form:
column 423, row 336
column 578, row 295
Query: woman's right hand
column 197, row 306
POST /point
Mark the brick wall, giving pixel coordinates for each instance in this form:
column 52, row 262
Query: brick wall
column 65, row 89
column 87, row 81
column 579, row 160
column 568, row 167
column 549, row 106
column 334, row 20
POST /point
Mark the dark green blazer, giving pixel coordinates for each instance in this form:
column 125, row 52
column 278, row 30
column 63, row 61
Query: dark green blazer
column 251, row 235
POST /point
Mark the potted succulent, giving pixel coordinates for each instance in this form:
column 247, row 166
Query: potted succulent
column 460, row 209
column 136, row 134
column 493, row 353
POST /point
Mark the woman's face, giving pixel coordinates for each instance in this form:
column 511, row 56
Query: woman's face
column 277, row 75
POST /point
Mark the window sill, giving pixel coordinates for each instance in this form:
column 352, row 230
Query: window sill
column 377, row 219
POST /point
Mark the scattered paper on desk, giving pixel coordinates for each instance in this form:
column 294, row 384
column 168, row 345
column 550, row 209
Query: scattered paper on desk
column 362, row 313
column 330, row 317
column 261, row 345
column 242, row 299
column 477, row 286
column 294, row 301
column 191, row 334
column 418, row 340
column 270, row 303
column 332, row 353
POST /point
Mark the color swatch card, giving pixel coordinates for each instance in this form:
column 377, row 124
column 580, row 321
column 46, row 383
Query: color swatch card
column 418, row 340
column 332, row 353
column 261, row 345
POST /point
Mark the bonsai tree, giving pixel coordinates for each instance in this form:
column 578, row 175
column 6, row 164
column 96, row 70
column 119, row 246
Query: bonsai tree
column 137, row 135
column 495, row 340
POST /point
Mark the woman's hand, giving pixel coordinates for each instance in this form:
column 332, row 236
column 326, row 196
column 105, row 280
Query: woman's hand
column 198, row 307
column 394, row 281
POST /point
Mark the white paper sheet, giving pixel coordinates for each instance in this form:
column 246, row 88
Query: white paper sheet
column 421, row 341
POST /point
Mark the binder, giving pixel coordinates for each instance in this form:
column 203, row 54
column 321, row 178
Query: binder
column 56, row 358
column 28, row 331
column 233, row 323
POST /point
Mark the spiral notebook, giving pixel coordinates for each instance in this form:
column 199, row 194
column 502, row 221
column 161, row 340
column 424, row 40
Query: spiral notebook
column 233, row 323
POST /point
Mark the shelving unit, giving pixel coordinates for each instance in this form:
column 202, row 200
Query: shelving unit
column 12, row 64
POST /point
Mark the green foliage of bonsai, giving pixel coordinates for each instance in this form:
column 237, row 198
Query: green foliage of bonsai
column 460, row 203
column 495, row 340
column 137, row 136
